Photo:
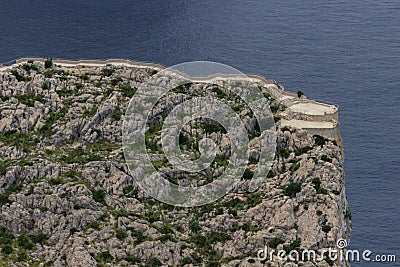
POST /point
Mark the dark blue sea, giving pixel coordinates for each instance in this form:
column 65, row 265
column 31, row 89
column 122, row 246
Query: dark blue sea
column 342, row 52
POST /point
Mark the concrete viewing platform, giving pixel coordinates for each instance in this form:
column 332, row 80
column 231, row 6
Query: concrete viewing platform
column 313, row 108
column 301, row 124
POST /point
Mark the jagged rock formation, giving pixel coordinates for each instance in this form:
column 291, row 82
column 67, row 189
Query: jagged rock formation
column 67, row 198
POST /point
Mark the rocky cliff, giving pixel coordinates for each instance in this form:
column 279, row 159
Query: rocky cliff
column 68, row 199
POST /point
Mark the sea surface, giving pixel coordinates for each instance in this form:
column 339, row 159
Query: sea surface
column 341, row 52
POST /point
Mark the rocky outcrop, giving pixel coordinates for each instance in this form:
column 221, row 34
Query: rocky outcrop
column 68, row 199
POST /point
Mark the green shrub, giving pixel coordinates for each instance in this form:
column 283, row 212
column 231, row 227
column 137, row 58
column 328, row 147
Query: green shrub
column 45, row 86
column 80, row 156
column 220, row 92
column 116, row 81
column 121, row 234
column 222, row 160
column 326, row 228
column 117, row 114
column 299, row 151
column 292, row 189
column 319, row 140
column 29, row 99
column 22, row 255
column 294, row 167
column 104, row 256
column 153, row 72
column 6, row 236
column 130, row 191
column 24, row 241
column 3, row 167
column 73, row 230
column 273, row 243
column 94, row 225
column 194, row 226
column 127, row 90
column 47, row 128
column 48, row 73
column 56, row 181
column 132, row 259
column 248, row 174
column 283, row 152
column 317, row 185
column 210, row 128
column 7, row 249
column 39, row 239
column 326, row 158
column 11, row 189
column 107, row 72
column 99, row 196
column 48, row 63
column 90, row 112
column 154, row 262
column 4, row 199
column 295, row 245
column 347, row 215
column 18, row 76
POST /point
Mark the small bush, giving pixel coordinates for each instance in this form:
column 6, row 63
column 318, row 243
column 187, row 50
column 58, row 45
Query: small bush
column 56, row 181
column 274, row 108
column 121, row 234
column 292, row 189
column 299, row 151
column 6, row 236
column 326, row 228
column 194, row 226
column 273, row 243
column 73, row 231
column 132, row 259
column 317, row 185
column 154, row 262
column 299, row 94
column 94, row 225
column 153, row 72
column 283, row 152
column 48, row 73
column 107, row 72
column 127, row 90
column 3, row 167
column 99, row 196
column 45, row 86
column 39, row 239
column 295, row 245
column 294, row 167
column 248, row 174
column 117, row 114
column 29, row 99
column 48, row 64
column 326, row 158
column 115, row 82
column 347, row 215
column 319, row 140
column 18, row 76
column 104, row 256
column 24, row 241
column 7, row 249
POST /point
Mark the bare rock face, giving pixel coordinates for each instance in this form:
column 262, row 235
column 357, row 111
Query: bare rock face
column 68, row 199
